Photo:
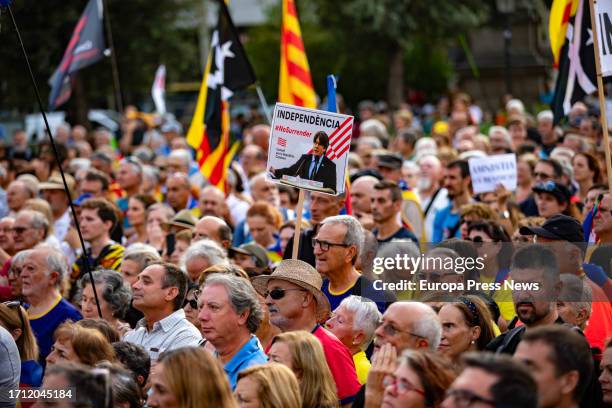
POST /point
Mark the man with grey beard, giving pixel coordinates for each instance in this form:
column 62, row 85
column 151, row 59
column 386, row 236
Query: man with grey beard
column 432, row 195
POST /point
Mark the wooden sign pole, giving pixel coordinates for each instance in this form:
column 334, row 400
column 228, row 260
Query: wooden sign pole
column 298, row 224
column 602, row 97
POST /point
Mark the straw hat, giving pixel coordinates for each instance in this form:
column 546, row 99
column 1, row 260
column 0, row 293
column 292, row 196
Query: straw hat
column 183, row 219
column 55, row 182
column 301, row 274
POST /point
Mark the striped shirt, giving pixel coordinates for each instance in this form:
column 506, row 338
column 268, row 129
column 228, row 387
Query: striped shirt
column 171, row 332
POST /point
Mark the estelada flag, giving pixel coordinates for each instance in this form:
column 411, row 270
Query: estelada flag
column 576, row 77
column 228, row 70
column 85, row 48
column 560, row 13
column 295, row 83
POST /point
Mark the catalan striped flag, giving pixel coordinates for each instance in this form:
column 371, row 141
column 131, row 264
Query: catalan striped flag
column 228, row 70
column 295, row 84
column 560, row 13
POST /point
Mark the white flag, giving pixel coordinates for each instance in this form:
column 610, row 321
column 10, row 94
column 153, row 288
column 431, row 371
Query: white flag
column 603, row 21
column 159, row 90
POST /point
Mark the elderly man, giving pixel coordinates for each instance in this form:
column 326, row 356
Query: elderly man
column 30, row 229
column 180, row 161
column 230, row 314
column 361, row 191
column 432, row 196
column 53, row 192
column 212, row 202
column 43, row 271
column 354, row 323
column 200, row 256
column 159, row 293
column 17, row 193
column 500, row 140
column 253, row 159
column 489, row 380
column 337, row 246
column 321, row 207
column 178, row 192
column 213, row 228
column 405, row 326
column 546, row 128
column 129, row 178
column 295, row 301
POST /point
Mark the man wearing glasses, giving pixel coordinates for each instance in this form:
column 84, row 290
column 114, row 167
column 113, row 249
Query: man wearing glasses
column 337, row 246
column 490, row 380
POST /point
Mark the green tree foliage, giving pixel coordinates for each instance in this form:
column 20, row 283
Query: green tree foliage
column 145, row 34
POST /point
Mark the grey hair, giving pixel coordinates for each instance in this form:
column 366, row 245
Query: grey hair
column 161, row 206
column 151, row 173
column 55, row 262
column 182, row 154
column 37, row 220
column 366, row 316
column 545, row 115
column 241, row 295
column 503, row 131
column 428, row 325
column 110, row 285
column 256, row 178
column 372, row 141
column 20, row 256
column 27, row 184
column 205, row 248
column 354, row 231
column 134, row 163
column 577, row 294
column 142, row 255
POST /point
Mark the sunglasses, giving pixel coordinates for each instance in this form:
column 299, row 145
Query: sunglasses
column 278, row 293
column 540, row 175
column 193, row 303
column 466, row 398
column 548, row 186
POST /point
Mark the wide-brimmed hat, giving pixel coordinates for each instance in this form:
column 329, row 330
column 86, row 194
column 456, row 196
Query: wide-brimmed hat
column 183, row 219
column 301, row 274
column 55, row 182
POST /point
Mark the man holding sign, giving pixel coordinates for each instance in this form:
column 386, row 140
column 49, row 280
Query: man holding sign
column 315, row 166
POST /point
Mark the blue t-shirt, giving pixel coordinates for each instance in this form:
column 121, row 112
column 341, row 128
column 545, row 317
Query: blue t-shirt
column 249, row 355
column 402, row 233
column 444, row 223
column 31, row 373
column 362, row 287
column 44, row 324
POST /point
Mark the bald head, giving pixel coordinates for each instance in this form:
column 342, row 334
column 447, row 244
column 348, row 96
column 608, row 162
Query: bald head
column 213, row 228
column 178, row 191
column 211, row 201
column 361, row 192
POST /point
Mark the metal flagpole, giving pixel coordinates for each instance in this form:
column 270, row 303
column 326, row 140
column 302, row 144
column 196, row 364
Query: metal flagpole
column 113, row 56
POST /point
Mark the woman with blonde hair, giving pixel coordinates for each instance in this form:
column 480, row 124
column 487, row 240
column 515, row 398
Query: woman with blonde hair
column 14, row 318
column 174, row 386
column 268, row 386
column 74, row 343
column 303, row 354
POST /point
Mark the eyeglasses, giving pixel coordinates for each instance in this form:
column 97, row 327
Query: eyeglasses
column 16, row 305
column 476, row 240
column 542, row 176
column 278, row 293
column 19, row 230
column 402, row 385
column 466, row 398
column 193, row 303
column 390, row 330
column 324, row 245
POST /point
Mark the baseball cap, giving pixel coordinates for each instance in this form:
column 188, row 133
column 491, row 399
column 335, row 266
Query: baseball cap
column 557, row 189
column 558, row 227
column 390, row 160
column 254, row 250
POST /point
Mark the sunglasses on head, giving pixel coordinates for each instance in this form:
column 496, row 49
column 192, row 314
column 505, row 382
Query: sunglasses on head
column 17, row 306
column 278, row 293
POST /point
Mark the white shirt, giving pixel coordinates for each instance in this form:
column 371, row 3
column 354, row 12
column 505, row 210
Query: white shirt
column 62, row 225
column 441, row 201
column 171, row 332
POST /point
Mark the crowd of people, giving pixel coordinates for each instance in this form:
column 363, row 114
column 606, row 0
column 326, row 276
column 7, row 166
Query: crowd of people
column 187, row 294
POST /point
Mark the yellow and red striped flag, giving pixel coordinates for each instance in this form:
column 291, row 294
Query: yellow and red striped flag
column 560, row 13
column 295, row 84
column 228, row 70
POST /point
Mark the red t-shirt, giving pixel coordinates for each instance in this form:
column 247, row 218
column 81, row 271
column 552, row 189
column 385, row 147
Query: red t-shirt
column 599, row 327
column 340, row 363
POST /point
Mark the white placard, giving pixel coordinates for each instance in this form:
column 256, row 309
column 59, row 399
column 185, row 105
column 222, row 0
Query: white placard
column 295, row 159
column 488, row 172
column 603, row 21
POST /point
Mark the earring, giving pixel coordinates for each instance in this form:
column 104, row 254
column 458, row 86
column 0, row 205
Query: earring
column 473, row 342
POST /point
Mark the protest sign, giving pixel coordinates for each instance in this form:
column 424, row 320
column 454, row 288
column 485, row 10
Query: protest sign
column 309, row 148
column 603, row 21
column 488, row 172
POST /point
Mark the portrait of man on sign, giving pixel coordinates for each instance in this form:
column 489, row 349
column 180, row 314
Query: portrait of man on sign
column 315, row 166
